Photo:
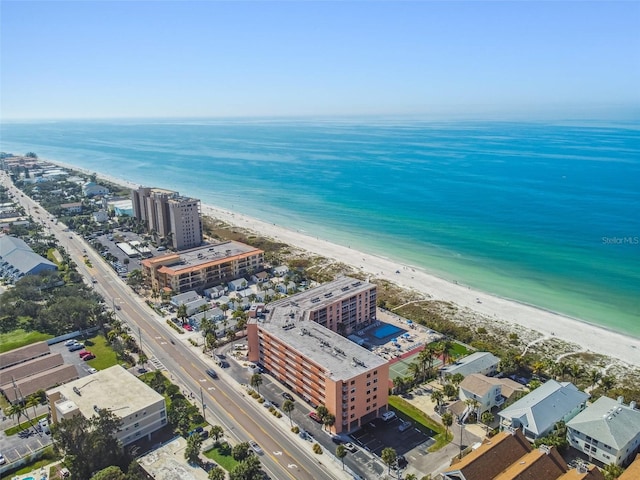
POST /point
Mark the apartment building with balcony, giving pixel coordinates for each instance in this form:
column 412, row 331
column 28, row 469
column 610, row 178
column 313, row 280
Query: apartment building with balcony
column 202, row 267
column 317, row 363
column 140, row 408
column 343, row 306
column 169, row 216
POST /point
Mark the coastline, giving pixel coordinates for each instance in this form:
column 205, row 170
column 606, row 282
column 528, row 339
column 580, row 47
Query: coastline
column 549, row 324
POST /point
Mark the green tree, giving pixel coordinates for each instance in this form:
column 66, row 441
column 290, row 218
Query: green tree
column 487, row 418
column 410, row 476
column 256, row 381
column 341, row 452
column 328, row 421
column 192, row 450
column 240, row 451
column 287, row 407
column 450, row 390
column 109, row 473
column 248, row 469
column 216, row 473
column 437, row 396
column 217, row 432
column 182, row 312
column 389, row 457
column 447, row 421
column 612, row 471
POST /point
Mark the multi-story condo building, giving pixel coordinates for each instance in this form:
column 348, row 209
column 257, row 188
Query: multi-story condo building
column 317, row 363
column 140, row 408
column 202, row 267
column 343, row 306
column 169, row 216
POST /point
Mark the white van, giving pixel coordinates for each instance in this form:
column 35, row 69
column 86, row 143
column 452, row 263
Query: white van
column 239, row 346
column 386, row 416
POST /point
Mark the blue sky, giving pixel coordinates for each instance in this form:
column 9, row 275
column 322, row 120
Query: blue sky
column 524, row 59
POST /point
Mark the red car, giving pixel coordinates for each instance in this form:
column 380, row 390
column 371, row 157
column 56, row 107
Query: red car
column 314, row 416
column 84, row 353
column 86, row 358
column 187, row 327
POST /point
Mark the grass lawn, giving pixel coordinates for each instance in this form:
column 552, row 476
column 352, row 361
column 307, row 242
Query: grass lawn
column 105, row 356
column 15, row 429
column 19, row 338
column 222, row 456
column 458, row 350
column 418, row 416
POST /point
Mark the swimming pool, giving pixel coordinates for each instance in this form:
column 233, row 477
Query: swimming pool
column 386, row 331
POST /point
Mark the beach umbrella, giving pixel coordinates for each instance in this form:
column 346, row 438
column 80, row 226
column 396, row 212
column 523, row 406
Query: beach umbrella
column 394, row 340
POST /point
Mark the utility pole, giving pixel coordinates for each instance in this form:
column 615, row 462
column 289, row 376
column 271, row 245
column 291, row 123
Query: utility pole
column 461, row 431
column 204, row 407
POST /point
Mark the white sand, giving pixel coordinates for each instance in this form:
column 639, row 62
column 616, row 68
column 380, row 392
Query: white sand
column 588, row 336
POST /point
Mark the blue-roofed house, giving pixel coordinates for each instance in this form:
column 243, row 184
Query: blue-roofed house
column 608, row 431
column 537, row 412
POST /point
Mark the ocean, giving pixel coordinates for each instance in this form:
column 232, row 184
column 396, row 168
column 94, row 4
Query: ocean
column 546, row 214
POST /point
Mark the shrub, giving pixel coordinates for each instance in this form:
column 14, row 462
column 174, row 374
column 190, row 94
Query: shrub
column 317, row 448
column 295, row 430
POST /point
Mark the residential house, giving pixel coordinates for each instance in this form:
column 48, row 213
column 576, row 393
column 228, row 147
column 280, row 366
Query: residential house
column 260, row 277
column 91, row 189
column 237, row 284
column 100, row 216
column 479, row 362
column 185, row 297
column 280, row 271
column 488, row 392
column 608, row 431
column 509, row 456
column 17, row 259
column 215, row 292
column 73, row 207
column 286, row 287
column 537, row 412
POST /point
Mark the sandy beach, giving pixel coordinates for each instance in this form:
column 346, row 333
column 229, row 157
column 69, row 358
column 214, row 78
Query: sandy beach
column 549, row 324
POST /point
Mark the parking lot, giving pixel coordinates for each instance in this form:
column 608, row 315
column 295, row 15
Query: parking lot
column 378, row 435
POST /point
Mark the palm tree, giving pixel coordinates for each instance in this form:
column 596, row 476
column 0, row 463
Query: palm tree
column 287, row 407
column 216, row 432
column 389, row 456
column 612, row 471
column 217, row 473
column 182, row 312
column 256, row 381
column 594, row 377
column 447, row 421
column 16, row 410
column 437, row 396
column 607, row 382
column 410, row 476
column 32, row 401
column 415, row 370
column 487, row 418
column 341, row 452
column 576, row 371
column 328, row 420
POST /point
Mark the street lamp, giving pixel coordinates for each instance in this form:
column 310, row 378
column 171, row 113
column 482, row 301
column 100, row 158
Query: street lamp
column 461, row 431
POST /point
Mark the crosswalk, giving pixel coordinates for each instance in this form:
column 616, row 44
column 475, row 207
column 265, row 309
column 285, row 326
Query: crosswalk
column 156, row 363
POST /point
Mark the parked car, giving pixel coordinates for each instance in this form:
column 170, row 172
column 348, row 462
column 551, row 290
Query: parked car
column 212, row 373
column 386, row 416
column 350, row 447
column 255, row 447
column 76, row 346
column 86, row 358
column 92, row 370
column 337, row 440
column 267, row 404
column 404, row 426
column 288, row 396
column 84, row 353
column 68, row 343
column 2, row 460
column 315, row 417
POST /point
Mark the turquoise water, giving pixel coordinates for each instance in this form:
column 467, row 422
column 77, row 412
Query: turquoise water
column 543, row 214
column 386, row 331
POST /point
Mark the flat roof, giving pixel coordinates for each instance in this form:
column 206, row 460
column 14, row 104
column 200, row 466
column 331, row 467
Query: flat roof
column 113, row 388
column 341, row 358
column 207, row 254
column 327, row 294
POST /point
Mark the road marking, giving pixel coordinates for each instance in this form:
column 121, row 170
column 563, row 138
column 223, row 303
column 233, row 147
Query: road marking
column 211, row 388
column 277, row 453
column 292, row 465
column 202, row 380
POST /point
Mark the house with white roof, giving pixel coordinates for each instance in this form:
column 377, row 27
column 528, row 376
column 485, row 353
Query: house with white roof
column 90, row 189
column 238, row 284
column 537, row 412
column 608, row 431
column 17, row 259
column 280, row 271
column 479, row 362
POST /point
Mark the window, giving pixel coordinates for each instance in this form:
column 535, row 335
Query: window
column 136, row 425
column 353, row 407
column 368, row 375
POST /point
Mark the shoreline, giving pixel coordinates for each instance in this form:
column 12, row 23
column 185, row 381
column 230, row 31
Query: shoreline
column 550, row 324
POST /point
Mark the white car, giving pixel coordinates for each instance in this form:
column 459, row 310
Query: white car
column 255, row 447
column 68, row 343
column 2, row 460
column 92, row 370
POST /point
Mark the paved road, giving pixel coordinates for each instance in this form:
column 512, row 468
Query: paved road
column 239, row 416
